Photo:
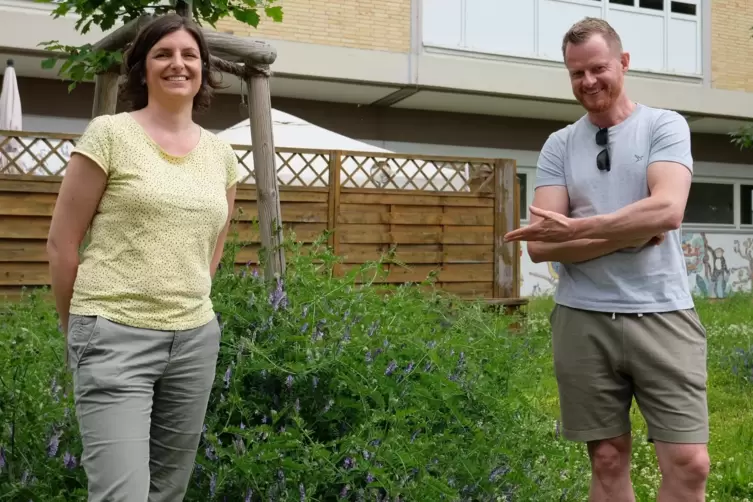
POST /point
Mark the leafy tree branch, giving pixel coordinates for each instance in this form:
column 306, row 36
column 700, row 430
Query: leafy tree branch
column 83, row 62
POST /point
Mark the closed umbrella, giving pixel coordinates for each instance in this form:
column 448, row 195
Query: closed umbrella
column 10, row 120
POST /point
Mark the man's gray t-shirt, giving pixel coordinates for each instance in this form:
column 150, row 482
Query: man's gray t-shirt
column 653, row 279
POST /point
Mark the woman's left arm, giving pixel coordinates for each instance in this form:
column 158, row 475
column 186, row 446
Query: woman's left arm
column 220, row 246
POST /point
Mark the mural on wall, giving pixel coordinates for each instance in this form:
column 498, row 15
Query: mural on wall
column 718, row 264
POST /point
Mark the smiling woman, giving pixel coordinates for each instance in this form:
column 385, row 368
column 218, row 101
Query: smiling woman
column 156, row 192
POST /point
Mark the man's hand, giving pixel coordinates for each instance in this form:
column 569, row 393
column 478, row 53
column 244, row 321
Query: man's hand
column 552, row 227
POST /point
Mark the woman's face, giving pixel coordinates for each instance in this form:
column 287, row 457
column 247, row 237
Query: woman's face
column 173, row 68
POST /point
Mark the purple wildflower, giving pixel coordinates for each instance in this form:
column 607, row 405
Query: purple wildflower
column 391, row 368
column 249, row 493
column 302, row 491
column 315, row 382
column 3, row 462
column 25, row 478
column 278, row 298
column 255, row 273
column 499, row 471
column 349, row 463
column 211, row 455
column 369, row 358
column 53, row 444
column 373, row 327
column 409, row 368
column 228, row 374
column 243, row 426
column 289, row 382
column 297, row 405
column 305, row 327
column 344, row 491
column 264, row 419
column 369, row 478
column 212, row 484
column 69, row 461
column 415, row 435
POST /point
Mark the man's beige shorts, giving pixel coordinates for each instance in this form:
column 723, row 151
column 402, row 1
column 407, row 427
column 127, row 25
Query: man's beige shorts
column 602, row 360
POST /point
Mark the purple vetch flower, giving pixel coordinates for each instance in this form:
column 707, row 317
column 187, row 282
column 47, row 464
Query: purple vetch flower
column 369, row 358
column 281, row 476
column 240, row 446
column 289, row 382
column 69, row 461
column 499, row 471
column 410, row 367
column 431, row 344
column 427, row 367
column 264, row 419
column 228, row 374
column 211, row 455
column 243, row 426
column 3, row 461
column 344, row 491
column 391, row 368
column 349, row 463
column 305, row 327
column 55, row 389
column 278, row 298
column 373, row 327
column 369, row 478
column 302, row 491
column 297, row 405
column 249, row 493
column 212, row 484
column 53, row 444
column 346, row 334
column 255, row 273
column 366, row 454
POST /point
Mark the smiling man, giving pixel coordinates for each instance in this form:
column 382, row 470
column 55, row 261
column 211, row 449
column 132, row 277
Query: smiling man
column 610, row 197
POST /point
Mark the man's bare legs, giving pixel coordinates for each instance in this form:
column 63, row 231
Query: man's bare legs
column 610, row 470
column 685, row 469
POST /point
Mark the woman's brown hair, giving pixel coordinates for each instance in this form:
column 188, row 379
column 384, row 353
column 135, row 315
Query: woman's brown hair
column 133, row 89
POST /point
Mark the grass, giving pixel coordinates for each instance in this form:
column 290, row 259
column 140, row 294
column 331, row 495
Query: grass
column 729, row 325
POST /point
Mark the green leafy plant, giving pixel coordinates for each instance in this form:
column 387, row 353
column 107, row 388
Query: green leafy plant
column 83, row 62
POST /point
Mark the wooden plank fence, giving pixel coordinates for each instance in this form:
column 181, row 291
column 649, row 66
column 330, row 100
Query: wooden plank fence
column 443, row 215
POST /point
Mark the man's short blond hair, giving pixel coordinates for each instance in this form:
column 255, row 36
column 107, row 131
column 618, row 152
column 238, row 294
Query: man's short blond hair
column 588, row 27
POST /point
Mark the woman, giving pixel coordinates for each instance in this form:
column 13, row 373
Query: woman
column 156, row 191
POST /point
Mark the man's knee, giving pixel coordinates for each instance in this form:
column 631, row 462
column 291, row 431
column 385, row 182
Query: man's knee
column 688, row 465
column 610, row 458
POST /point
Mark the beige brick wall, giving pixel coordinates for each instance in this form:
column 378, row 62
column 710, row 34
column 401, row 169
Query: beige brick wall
column 362, row 24
column 732, row 45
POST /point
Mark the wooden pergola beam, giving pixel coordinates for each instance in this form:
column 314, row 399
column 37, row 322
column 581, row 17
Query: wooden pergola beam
column 239, row 49
column 121, row 37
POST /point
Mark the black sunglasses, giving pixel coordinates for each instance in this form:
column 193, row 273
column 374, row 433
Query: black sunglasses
column 602, row 160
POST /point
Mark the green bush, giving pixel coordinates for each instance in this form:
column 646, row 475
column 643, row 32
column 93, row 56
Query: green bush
column 325, row 390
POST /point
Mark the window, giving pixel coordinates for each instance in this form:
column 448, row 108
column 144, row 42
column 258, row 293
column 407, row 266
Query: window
column 711, row 203
column 623, row 2
column 746, row 204
column 523, row 182
column 651, row 4
column 683, row 8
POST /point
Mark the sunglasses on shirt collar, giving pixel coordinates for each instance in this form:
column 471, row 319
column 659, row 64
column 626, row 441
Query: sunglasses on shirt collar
column 602, row 159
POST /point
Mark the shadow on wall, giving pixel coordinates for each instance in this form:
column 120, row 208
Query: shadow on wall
column 717, row 265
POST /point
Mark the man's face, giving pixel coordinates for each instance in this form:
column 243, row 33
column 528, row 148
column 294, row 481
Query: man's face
column 596, row 73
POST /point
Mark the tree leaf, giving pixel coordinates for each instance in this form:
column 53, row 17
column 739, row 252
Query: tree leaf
column 275, row 13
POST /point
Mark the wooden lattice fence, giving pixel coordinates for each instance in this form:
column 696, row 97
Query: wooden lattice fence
column 443, row 215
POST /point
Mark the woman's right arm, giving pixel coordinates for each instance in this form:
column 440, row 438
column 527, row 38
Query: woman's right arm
column 80, row 192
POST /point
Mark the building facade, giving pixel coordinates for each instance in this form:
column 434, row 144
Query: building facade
column 479, row 78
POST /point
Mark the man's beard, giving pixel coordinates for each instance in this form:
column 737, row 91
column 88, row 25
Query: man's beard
column 604, row 100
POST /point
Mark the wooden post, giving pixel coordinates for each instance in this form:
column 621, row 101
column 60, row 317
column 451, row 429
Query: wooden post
column 516, row 245
column 265, row 170
column 105, row 94
column 504, row 253
column 333, row 202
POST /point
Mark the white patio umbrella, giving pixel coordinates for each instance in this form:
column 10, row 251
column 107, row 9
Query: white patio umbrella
column 10, row 114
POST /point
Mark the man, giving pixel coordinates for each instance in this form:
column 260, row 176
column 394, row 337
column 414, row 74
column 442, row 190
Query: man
column 610, row 198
